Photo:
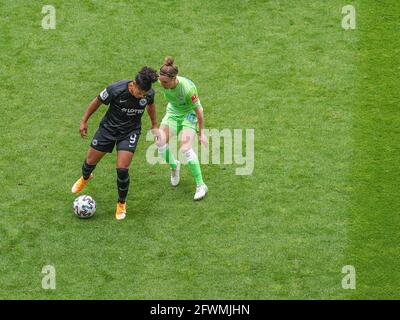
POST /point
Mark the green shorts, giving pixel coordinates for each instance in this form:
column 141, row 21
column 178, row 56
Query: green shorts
column 177, row 123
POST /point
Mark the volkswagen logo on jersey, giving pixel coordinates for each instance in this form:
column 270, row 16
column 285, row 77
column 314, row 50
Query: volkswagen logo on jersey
column 143, row 102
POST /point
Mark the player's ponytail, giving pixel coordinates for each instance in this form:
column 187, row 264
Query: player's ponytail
column 169, row 69
column 145, row 78
column 169, row 61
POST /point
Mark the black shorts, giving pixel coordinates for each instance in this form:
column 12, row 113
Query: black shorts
column 102, row 142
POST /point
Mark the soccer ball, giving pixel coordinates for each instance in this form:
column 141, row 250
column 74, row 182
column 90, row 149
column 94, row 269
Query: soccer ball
column 84, row 207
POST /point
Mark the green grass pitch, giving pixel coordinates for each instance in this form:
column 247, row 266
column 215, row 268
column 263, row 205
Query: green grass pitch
column 324, row 193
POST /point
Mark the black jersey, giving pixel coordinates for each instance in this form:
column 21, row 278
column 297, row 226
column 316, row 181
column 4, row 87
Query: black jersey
column 125, row 111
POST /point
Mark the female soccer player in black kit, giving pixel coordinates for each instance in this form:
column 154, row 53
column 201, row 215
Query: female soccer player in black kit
column 120, row 127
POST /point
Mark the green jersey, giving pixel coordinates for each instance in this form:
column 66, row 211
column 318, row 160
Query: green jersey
column 183, row 98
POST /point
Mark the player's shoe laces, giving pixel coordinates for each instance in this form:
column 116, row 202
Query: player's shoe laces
column 80, row 184
column 120, row 213
column 175, row 174
column 201, row 191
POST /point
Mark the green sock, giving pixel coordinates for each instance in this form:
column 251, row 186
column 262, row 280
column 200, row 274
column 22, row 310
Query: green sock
column 167, row 155
column 194, row 167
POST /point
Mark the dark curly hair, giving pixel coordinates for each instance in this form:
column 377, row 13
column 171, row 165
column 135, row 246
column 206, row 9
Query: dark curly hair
column 145, row 78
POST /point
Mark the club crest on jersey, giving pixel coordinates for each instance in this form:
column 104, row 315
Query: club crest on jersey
column 104, row 94
column 142, row 102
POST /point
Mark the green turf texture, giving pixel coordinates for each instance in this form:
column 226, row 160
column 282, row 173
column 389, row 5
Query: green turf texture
column 324, row 105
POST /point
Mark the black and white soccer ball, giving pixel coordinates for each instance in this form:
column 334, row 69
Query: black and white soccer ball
column 84, row 206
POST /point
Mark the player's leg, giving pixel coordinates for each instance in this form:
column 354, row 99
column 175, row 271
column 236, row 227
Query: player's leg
column 187, row 139
column 126, row 149
column 124, row 159
column 99, row 146
column 167, row 128
column 92, row 158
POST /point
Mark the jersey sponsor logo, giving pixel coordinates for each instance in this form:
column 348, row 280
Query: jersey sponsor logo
column 142, row 102
column 194, row 98
column 132, row 111
column 104, row 94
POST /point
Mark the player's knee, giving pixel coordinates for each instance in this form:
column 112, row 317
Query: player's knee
column 186, row 145
column 92, row 160
column 124, row 160
column 123, row 164
column 186, row 140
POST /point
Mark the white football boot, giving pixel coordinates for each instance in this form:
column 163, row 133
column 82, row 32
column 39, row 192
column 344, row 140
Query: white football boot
column 201, row 191
column 175, row 174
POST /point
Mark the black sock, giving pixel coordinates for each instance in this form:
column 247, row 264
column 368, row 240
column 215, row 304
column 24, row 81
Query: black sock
column 122, row 183
column 87, row 169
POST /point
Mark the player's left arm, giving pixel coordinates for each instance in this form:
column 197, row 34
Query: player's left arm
column 193, row 100
column 200, row 118
column 151, row 110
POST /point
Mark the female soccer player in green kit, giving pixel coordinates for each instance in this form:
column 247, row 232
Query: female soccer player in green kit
column 184, row 115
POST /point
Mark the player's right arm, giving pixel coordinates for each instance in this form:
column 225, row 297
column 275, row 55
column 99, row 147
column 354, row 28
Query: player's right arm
column 92, row 107
column 104, row 97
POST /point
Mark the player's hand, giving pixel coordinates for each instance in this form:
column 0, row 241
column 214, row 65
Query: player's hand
column 203, row 139
column 155, row 131
column 83, row 128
